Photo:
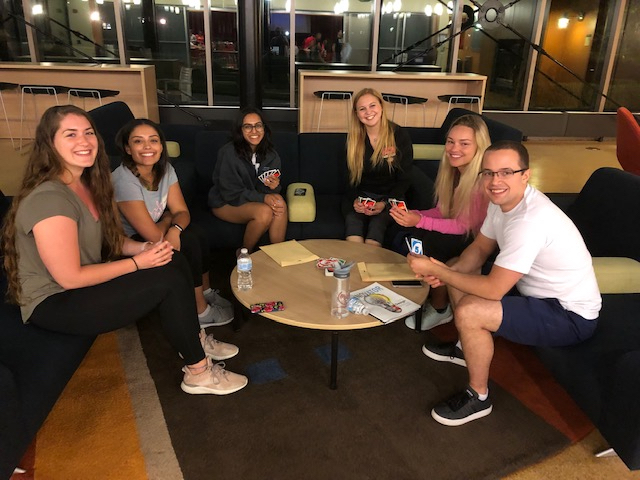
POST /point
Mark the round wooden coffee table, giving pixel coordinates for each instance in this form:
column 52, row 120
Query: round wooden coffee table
column 306, row 290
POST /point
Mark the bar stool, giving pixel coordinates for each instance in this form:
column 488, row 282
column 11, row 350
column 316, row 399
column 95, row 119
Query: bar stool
column 456, row 100
column 406, row 100
column 94, row 93
column 7, row 86
column 34, row 90
column 333, row 95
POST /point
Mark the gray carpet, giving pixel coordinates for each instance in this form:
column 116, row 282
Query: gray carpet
column 288, row 424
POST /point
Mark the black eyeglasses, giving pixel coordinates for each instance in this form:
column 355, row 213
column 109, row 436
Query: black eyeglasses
column 507, row 173
column 248, row 127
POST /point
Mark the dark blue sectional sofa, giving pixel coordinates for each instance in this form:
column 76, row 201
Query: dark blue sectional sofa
column 602, row 374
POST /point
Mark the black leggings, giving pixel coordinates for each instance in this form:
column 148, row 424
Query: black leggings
column 124, row 300
column 194, row 245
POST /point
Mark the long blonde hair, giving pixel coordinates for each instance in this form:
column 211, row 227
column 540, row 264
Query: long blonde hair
column 356, row 139
column 454, row 192
column 45, row 164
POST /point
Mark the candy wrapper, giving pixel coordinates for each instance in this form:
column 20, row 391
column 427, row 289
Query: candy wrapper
column 267, row 307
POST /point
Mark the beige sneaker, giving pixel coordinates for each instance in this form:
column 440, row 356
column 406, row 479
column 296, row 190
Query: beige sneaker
column 213, row 380
column 215, row 349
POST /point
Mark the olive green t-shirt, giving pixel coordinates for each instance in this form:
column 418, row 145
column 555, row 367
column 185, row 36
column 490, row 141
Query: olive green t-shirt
column 50, row 199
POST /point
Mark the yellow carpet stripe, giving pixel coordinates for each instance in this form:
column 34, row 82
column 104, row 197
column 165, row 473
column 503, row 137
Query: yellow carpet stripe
column 91, row 431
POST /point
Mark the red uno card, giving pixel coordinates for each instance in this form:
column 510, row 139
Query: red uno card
column 401, row 205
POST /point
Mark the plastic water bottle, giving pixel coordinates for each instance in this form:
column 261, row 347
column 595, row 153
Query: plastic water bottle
column 354, row 305
column 341, row 294
column 245, row 281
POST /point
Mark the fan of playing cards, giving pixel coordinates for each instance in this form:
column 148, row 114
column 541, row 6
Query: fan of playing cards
column 367, row 202
column 398, row 203
column 273, row 172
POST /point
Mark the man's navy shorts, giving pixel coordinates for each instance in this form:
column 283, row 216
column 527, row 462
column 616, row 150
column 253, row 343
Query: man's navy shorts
column 542, row 322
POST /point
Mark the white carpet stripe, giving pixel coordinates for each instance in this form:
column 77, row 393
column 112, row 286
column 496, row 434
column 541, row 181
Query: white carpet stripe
column 160, row 460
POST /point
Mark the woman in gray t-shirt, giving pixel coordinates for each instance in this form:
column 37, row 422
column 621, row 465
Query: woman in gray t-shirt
column 63, row 255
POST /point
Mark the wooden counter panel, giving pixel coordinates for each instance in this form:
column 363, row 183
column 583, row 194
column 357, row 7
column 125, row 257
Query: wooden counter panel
column 137, row 88
column 427, row 85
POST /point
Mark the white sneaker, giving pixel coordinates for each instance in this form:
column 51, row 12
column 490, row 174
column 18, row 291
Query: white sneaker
column 216, row 349
column 430, row 318
column 215, row 316
column 214, row 379
column 213, row 298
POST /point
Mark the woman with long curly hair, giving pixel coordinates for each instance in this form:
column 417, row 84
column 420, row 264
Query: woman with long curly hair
column 237, row 194
column 63, row 247
column 379, row 159
column 152, row 207
column 461, row 206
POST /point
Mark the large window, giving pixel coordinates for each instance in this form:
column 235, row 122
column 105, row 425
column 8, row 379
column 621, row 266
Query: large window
column 575, row 38
column 626, row 75
column 276, row 54
column 421, row 25
column 195, row 49
column 499, row 52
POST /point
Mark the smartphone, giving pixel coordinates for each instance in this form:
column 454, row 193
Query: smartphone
column 406, row 283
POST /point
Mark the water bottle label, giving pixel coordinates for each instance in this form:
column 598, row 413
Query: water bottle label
column 244, row 266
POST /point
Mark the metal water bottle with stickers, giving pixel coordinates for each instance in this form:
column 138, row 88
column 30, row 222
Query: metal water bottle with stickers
column 341, row 294
column 245, row 280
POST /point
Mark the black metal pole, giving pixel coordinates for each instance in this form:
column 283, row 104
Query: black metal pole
column 250, row 52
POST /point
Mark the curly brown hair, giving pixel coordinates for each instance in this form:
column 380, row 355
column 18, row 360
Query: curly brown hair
column 45, row 164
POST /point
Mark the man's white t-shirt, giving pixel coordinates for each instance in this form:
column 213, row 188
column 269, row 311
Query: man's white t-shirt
column 538, row 240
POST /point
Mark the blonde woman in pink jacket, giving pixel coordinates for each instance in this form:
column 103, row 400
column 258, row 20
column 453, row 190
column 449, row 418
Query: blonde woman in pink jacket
column 461, row 206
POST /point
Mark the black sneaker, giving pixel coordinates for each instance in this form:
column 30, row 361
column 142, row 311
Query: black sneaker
column 445, row 352
column 461, row 408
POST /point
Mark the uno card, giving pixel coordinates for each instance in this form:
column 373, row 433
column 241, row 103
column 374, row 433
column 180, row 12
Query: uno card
column 369, row 203
column 393, row 202
column 362, row 200
column 416, row 246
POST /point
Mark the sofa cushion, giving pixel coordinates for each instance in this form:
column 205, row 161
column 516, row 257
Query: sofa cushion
column 607, row 213
column 109, row 118
column 323, row 162
column 617, row 274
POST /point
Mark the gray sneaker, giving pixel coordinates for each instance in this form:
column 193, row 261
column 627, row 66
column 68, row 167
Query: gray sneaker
column 216, row 316
column 430, row 318
column 216, row 349
column 461, row 408
column 445, row 352
column 213, row 380
column 214, row 298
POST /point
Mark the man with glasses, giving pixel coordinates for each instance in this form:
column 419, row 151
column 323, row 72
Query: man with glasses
column 541, row 289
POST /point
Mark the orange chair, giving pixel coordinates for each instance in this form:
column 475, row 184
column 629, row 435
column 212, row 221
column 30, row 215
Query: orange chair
column 628, row 141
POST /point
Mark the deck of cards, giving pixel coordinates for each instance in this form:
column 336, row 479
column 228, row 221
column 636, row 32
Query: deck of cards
column 398, row 203
column 273, row 172
column 367, row 202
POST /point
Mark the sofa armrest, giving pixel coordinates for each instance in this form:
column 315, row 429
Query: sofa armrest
column 617, row 274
